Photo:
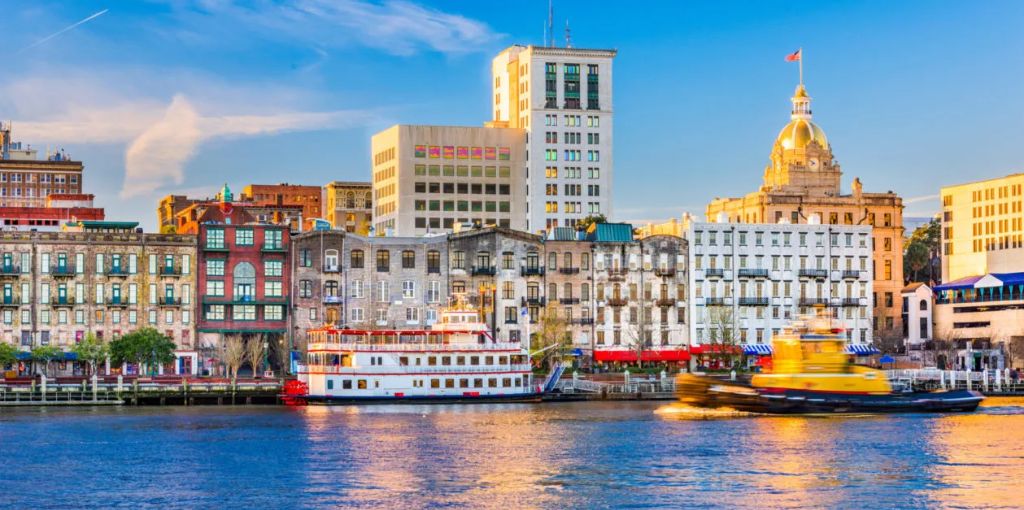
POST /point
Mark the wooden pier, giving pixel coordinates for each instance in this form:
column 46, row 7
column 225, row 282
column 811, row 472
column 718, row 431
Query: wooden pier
column 138, row 391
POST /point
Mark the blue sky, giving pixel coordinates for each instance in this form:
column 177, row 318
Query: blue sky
column 181, row 96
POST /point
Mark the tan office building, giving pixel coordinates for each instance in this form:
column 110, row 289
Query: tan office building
column 427, row 179
column 983, row 227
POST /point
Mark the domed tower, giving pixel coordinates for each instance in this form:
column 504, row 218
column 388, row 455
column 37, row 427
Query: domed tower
column 801, row 158
column 226, row 197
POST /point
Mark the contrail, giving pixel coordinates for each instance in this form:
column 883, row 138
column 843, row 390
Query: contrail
column 65, row 29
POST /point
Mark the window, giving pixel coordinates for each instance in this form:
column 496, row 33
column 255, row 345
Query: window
column 243, row 312
column 356, row 259
column 383, row 261
column 214, row 268
column 243, row 237
column 272, row 288
column 306, row 288
column 214, row 288
column 433, row 261
column 273, row 312
column 408, row 259
column 458, row 260
column 408, row 289
column 214, row 239
column 273, row 239
column 213, row 313
column 273, row 268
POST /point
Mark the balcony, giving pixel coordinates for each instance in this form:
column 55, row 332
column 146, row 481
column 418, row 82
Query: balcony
column 117, row 302
column 569, row 301
column 813, row 301
column 569, row 270
column 753, row 273
column 714, row 301
column 531, row 271
column 170, row 271
column 9, row 301
column 617, row 301
column 333, row 300
column 851, row 275
column 850, row 301
column 582, row 321
column 62, row 271
column 753, row 301
column 170, row 301
column 714, row 272
column 483, row 271
column 532, row 301
column 666, row 301
column 511, row 321
column 333, row 268
column 820, row 274
column 272, row 248
column 665, row 271
column 10, row 271
column 62, row 301
column 215, row 247
column 117, row 271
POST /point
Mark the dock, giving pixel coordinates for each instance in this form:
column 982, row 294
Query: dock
column 138, row 391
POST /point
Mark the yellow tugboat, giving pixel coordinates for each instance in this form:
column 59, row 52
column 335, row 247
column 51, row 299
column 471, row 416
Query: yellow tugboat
column 811, row 372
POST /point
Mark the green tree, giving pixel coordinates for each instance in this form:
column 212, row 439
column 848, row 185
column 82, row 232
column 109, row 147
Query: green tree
column 8, row 354
column 921, row 253
column 552, row 338
column 723, row 342
column 91, row 350
column 145, row 346
column 585, row 223
column 47, row 354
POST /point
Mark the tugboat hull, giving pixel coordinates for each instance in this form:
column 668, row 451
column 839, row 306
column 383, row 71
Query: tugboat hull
column 709, row 392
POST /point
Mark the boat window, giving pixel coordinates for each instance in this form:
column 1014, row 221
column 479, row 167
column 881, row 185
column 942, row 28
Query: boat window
column 489, row 360
column 403, row 361
column 361, row 384
column 376, row 384
column 449, row 383
column 492, row 383
column 517, row 381
column 330, row 384
column 478, row 383
column 461, row 360
column 474, row 360
column 506, row 382
column 418, row 360
column 346, row 384
column 502, row 360
column 463, row 383
column 435, row 383
column 432, row 360
column 446, row 360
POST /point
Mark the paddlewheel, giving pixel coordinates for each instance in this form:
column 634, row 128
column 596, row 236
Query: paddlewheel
column 294, row 393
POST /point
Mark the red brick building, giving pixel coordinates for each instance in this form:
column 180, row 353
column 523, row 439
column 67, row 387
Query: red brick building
column 243, row 277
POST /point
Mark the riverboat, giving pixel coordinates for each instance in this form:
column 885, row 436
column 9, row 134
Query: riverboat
column 456, row 360
column 811, row 372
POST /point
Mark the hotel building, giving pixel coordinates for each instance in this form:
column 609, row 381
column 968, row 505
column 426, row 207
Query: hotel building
column 801, row 181
column 750, row 280
column 562, row 99
column 430, row 178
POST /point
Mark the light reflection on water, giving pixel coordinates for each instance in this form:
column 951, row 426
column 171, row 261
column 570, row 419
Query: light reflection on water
column 504, row 456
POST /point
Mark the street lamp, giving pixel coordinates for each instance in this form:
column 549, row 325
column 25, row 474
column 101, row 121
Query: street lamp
column 266, row 354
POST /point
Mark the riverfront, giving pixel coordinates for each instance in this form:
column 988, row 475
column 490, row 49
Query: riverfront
column 564, row 455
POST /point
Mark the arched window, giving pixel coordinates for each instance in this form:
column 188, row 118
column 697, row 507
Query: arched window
column 924, row 305
column 356, row 259
column 552, row 261
column 567, row 290
column 584, row 291
column 245, row 281
column 552, row 291
column 567, row 260
column 368, row 201
column 350, row 200
column 331, row 260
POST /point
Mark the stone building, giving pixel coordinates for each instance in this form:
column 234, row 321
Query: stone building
column 106, row 278
column 367, row 282
column 348, row 206
column 640, row 296
column 801, row 181
column 568, row 283
column 501, row 271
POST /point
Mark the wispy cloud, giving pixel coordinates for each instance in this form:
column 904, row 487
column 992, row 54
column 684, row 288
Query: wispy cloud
column 63, row 30
column 922, row 198
column 398, row 27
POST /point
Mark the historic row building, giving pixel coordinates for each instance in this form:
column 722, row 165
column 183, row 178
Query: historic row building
column 101, row 277
column 801, row 181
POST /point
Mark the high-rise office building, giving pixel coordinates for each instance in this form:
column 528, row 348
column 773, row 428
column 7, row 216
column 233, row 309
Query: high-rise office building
column 562, row 98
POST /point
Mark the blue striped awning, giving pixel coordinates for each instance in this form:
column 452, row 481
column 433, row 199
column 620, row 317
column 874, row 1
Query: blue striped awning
column 757, row 349
column 861, row 349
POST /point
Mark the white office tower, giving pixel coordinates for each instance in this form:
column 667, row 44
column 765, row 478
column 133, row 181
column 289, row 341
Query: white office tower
column 562, row 97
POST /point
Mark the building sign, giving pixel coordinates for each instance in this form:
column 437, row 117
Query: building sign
column 477, row 152
column 489, row 153
column 462, row 152
column 504, row 153
column 449, row 152
column 421, row 151
column 435, row 152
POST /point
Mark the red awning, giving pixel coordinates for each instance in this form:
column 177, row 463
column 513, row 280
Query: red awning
column 630, row 356
column 710, row 348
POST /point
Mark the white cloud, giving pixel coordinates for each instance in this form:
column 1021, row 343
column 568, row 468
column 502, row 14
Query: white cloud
column 398, row 27
column 923, row 198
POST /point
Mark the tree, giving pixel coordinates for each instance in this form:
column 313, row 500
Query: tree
column 921, row 262
column 255, row 350
column 91, row 350
column 234, row 354
column 722, row 340
column 888, row 339
column 281, row 354
column 1015, row 350
column 145, row 346
column 552, row 338
column 47, row 354
column 8, row 354
column 586, row 222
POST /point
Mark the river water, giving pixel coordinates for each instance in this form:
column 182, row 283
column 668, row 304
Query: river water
column 571, row 455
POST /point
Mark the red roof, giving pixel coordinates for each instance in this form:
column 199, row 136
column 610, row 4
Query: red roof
column 654, row 355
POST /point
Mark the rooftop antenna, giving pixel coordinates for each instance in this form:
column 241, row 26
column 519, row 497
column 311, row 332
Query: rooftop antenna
column 568, row 35
column 549, row 39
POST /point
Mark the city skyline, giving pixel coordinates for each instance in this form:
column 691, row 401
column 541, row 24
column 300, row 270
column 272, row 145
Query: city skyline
column 178, row 111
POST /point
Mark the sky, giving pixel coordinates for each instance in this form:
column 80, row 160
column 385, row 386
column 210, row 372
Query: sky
column 181, row 96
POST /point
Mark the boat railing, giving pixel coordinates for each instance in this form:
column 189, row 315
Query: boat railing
column 413, row 369
column 988, row 381
column 412, row 347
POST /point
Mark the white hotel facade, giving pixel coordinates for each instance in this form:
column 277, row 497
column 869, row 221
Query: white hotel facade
column 764, row 275
column 562, row 98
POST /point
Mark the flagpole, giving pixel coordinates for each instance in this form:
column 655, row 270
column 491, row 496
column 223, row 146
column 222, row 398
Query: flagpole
column 801, row 61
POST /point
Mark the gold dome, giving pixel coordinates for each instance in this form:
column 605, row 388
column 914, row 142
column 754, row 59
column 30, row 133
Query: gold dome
column 799, row 133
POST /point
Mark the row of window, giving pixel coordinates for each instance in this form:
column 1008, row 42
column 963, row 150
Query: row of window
column 382, row 291
column 243, row 312
column 62, row 263
column 572, row 172
column 65, row 294
column 43, row 178
column 492, row 382
column 462, row 152
column 80, row 317
column 572, row 155
column 434, row 223
column 273, row 239
column 502, row 172
column 592, row 121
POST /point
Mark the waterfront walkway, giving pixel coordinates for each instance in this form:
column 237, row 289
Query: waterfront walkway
column 118, row 390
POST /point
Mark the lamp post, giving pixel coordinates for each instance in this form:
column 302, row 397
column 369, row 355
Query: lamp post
column 266, row 354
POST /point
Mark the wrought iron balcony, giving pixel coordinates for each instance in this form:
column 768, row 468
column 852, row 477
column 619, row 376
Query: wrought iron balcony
column 483, row 271
column 10, row 270
column 851, row 274
column 532, row 301
column 617, row 301
column 569, row 300
column 753, row 273
column 753, row 301
column 569, row 270
column 851, row 301
column 62, row 301
column 583, row 321
column 170, row 271
column 170, row 301
column 804, row 301
column 665, row 271
column 117, row 271
column 714, row 272
column 531, row 271
column 666, row 301
column 714, row 301
column 62, row 271
column 813, row 273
